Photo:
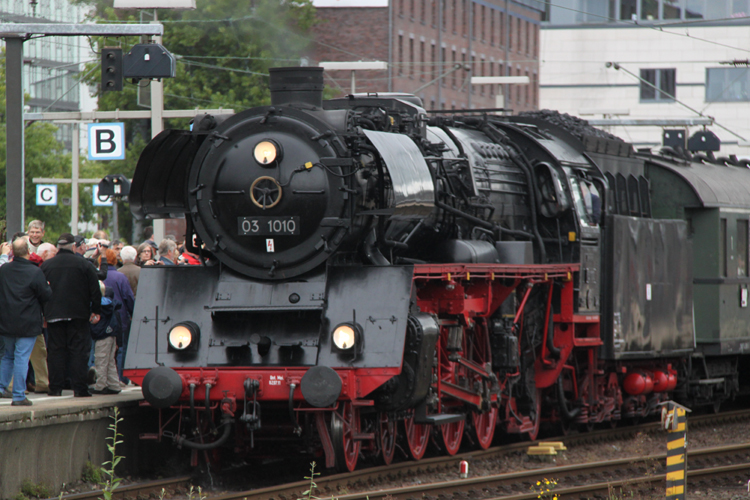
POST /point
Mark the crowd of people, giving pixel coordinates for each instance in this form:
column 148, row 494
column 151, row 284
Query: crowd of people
column 67, row 310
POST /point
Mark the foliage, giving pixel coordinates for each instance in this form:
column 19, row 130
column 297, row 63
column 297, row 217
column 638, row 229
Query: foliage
column 614, row 494
column 108, row 467
column 544, row 488
column 91, row 473
column 32, row 490
column 308, row 494
column 224, row 49
column 192, row 493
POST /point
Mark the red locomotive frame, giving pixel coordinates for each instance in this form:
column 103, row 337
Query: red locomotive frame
column 463, row 297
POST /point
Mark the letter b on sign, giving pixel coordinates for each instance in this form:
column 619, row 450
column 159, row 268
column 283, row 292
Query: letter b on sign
column 106, row 141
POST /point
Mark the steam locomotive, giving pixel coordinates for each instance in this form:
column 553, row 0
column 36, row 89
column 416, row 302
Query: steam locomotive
column 373, row 273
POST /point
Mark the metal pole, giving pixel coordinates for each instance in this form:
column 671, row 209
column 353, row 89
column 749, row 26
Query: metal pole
column 352, row 81
column 14, row 184
column 74, row 179
column 390, row 46
column 471, row 58
column 157, row 125
column 115, row 220
column 506, row 87
column 440, row 52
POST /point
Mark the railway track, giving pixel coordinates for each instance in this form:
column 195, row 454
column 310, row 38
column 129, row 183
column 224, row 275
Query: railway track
column 368, row 480
column 148, row 489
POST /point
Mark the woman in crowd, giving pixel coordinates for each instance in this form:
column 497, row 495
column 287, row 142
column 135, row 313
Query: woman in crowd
column 146, row 255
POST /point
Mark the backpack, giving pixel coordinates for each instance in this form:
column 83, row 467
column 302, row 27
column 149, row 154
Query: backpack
column 114, row 327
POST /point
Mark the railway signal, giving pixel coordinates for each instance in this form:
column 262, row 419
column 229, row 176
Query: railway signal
column 111, row 69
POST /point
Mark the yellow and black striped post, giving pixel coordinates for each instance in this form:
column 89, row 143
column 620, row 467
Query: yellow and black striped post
column 674, row 420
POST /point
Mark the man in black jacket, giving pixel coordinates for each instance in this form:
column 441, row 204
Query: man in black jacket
column 23, row 293
column 76, row 301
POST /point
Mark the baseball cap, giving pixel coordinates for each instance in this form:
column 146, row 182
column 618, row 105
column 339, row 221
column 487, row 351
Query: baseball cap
column 66, row 239
column 79, row 240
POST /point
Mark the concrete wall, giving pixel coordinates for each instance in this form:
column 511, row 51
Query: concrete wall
column 50, row 446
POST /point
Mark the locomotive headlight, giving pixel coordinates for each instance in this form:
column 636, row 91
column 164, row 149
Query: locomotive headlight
column 184, row 337
column 344, row 337
column 267, row 152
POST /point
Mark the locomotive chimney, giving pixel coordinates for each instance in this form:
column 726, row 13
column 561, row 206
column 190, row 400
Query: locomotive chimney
column 303, row 85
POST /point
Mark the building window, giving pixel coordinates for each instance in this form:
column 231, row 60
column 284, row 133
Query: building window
column 481, row 69
column 649, row 10
column 501, row 30
column 727, row 84
column 411, row 58
column 518, row 32
column 401, row 54
column 672, row 9
column 528, row 38
column 527, row 90
column 628, row 10
column 423, row 12
column 492, row 27
column 442, row 53
column 492, row 73
column 434, row 62
column 481, row 21
column 464, row 18
column 422, row 68
column 662, row 79
column 455, row 72
column 454, row 16
column 510, row 34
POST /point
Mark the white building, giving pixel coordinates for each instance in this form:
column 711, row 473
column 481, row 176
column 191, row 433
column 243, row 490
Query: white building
column 51, row 65
column 684, row 48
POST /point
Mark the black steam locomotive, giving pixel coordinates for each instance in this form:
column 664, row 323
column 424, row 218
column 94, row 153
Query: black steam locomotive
column 371, row 272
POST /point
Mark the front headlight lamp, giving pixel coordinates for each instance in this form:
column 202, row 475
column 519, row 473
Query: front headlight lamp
column 184, row 337
column 267, row 152
column 345, row 337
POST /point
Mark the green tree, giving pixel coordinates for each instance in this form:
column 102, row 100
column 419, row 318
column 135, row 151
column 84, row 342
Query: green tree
column 224, row 49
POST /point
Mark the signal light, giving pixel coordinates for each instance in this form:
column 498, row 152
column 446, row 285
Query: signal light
column 111, row 69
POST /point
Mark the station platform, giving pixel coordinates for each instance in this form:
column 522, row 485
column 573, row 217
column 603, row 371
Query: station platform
column 50, row 442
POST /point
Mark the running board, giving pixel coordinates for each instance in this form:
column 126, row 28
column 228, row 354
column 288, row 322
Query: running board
column 441, row 419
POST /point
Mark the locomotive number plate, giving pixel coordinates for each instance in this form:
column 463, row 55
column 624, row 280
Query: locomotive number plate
column 268, row 226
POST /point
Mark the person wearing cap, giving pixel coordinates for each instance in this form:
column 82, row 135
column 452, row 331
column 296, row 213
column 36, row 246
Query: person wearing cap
column 76, row 301
column 23, row 292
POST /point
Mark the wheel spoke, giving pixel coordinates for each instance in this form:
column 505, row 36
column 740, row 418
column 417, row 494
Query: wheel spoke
column 417, row 436
column 387, row 437
column 344, row 425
